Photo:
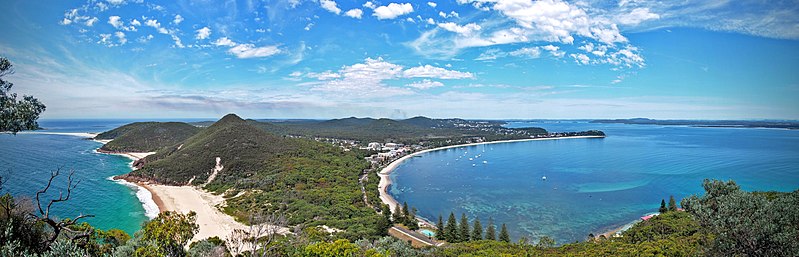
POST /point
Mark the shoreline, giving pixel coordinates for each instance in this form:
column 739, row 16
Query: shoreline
column 384, row 174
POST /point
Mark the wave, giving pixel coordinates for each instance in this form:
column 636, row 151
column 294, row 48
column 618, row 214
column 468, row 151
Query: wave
column 145, row 197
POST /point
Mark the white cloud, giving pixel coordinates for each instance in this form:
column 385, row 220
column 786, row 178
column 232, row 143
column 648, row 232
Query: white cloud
column 581, row 58
column 369, row 5
column 178, row 19
column 425, row 84
column 554, row 50
column 65, row 21
column 367, row 79
column 431, row 21
column 90, row 22
column 428, row 71
column 325, row 75
column 244, row 51
column 157, row 26
column 224, row 41
column 135, row 22
column 203, row 33
column 105, row 39
column 330, row 6
column 463, row 30
column 449, row 15
column 392, row 10
column 178, row 43
column 121, row 37
column 432, row 4
column 491, row 54
column 529, row 52
column 354, row 13
column 637, row 16
column 115, row 2
column 115, row 21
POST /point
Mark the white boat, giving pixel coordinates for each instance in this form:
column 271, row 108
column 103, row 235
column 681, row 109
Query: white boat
column 544, row 178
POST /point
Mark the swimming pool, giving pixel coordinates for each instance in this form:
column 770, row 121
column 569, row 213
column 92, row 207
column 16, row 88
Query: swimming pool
column 428, row 233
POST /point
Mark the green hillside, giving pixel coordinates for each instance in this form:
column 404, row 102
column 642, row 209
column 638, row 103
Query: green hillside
column 308, row 181
column 146, row 136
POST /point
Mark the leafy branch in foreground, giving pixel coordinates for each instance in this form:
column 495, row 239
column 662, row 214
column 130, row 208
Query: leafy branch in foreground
column 16, row 115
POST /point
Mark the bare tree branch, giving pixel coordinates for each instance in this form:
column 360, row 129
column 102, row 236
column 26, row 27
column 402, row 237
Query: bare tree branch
column 60, row 225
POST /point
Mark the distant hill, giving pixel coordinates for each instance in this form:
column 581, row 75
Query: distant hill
column 707, row 123
column 146, row 136
column 409, row 131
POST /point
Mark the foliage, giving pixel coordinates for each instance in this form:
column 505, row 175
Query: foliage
column 16, row 115
column 339, row 248
column 169, row 232
column 491, row 233
column 146, row 136
column 672, row 204
column 503, row 234
column 746, row 224
column 663, row 208
column 477, row 231
column 209, row 247
column 463, row 229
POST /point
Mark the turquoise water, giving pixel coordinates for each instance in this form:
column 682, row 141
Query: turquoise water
column 592, row 185
column 26, row 161
column 428, row 233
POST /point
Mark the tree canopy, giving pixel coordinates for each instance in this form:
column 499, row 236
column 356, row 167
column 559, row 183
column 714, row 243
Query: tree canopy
column 16, row 114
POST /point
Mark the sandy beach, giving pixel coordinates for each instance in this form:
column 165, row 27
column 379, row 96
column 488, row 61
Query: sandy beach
column 183, row 199
column 385, row 173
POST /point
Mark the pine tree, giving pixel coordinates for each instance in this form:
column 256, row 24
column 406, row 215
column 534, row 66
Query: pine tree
column 440, row 228
column 503, row 234
column 662, row 206
column 491, row 233
column 397, row 214
column 672, row 204
column 405, row 211
column 477, row 232
column 385, row 222
column 451, row 230
column 464, row 230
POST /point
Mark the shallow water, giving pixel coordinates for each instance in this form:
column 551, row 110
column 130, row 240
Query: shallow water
column 592, row 185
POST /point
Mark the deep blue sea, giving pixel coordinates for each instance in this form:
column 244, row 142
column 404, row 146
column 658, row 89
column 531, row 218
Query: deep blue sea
column 26, row 161
column 592, row 185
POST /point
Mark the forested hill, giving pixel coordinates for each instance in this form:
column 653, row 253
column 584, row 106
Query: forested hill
column 146, row 136
column 407, row 131
column 312, row 183
column 242, row 148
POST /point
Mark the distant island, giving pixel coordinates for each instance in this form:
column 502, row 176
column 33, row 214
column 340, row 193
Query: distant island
column 707, row 123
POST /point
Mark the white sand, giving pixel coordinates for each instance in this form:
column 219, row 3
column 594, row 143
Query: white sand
column 385, row 180
column 212, row 222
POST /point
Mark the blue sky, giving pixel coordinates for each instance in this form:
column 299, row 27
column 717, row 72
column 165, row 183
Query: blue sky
column 398, row 59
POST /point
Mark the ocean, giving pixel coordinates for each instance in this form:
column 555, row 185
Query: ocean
column 591, row 185
column 27, row 160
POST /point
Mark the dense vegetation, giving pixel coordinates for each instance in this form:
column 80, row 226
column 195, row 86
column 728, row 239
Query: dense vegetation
column 146, row 136
column 309, row 182
column 407, row 131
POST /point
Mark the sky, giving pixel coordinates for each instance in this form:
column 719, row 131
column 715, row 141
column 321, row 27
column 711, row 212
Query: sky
column 479, row 59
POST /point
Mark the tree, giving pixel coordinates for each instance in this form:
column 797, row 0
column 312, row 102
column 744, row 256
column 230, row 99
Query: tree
column 16, row 115
column 746, row 224
column 451, row 230
column 663, row 206
column 405, row 211
column 168, row 233
column 397, row 216
column 545, row 242
column 341, row 247
column 477, row 232
column 440, row 228
column 463, row 231
column 491, row 233
column 672, row 204
column 63, row 225
column 384, row 224
column 503, row 234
